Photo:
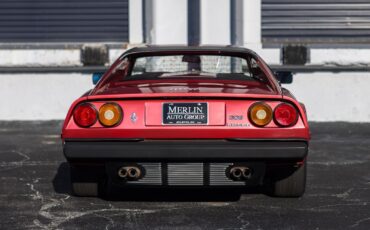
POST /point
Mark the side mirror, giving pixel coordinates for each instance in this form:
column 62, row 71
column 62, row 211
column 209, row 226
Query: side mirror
column 284, row 77
column 96, row 77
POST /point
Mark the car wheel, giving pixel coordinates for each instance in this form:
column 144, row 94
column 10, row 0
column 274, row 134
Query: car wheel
column 293, row 185
column 85, row 189
column 85, row 180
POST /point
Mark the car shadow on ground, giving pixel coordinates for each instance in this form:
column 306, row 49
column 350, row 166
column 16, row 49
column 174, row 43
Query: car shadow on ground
column 61, row 185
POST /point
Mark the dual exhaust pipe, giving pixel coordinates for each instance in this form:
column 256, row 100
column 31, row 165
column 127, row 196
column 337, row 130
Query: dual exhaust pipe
column 236, row 173
column 131, row 173
column 239, row 173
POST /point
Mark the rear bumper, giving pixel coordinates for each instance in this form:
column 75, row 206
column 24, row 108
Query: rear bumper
column 185, row 150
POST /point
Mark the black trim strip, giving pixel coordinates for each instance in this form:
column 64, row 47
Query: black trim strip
column 206, row 174
column 265, row 140
column 164, row 173
column 178, row 140
column 185, row 150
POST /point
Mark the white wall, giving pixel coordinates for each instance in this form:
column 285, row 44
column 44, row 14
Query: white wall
column 40, row 57
column 252, row 22
column 40, row 96
column 215, row 22
column 327, row 96
column 333, row 96
column 170, row 22
column 340, row 56
column 136, row 21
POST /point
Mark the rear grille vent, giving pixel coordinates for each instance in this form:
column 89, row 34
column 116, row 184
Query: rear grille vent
column 186, row 174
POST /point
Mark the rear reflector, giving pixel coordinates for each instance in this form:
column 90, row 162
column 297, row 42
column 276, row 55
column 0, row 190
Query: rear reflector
column 260, row 114
column 85, row 115
column 285, row 115
column 110, row 114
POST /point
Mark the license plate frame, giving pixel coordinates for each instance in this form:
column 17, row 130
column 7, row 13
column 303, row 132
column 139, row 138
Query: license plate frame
column 196, row 113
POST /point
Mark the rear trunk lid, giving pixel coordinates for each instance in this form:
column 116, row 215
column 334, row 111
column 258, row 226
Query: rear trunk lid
column 172, row 87
column 190, row 102
column 145, row 113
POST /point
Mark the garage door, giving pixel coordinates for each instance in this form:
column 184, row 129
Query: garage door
column 316, row 21
column 63, row 21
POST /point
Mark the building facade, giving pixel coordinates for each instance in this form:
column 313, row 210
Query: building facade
column 48, row 49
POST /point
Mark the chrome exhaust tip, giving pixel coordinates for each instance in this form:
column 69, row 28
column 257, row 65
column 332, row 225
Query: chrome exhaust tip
column 236, row 173
column 134, row 173
column 123, row 172
column 239, row 173
column 131, row 172
column 247, row 173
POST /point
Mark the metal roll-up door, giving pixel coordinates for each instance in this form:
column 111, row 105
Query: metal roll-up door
column 63, row 21
column 315, row 21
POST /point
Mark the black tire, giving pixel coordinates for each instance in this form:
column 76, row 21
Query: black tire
column 86, row 180
column 291, row 186
column 85, row 189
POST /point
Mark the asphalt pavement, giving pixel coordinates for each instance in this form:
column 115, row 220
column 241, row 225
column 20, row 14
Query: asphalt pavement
column 35, row 191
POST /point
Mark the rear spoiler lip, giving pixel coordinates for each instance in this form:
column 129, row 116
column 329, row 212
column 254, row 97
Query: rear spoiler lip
column 185, row 95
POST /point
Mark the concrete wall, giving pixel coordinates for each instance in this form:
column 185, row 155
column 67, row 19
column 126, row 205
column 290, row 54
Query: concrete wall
column 215, row 22
column 40, row 57
column 40, row 96
column 328, row 96
column 333, row 96
column 170, row 22
column 136, row 21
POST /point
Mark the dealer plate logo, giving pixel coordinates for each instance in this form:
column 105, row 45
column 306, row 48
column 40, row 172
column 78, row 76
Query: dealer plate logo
column 185, row 113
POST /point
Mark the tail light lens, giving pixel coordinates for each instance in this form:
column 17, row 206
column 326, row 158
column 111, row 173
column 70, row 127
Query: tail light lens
column 110, row 114
column 260, row 114
column 85, row 115
column 285, row 115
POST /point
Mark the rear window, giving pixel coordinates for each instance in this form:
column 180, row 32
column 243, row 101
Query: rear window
column 194, row 66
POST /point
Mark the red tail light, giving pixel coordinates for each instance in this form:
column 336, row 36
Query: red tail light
column 285, row 115
column 85, row 115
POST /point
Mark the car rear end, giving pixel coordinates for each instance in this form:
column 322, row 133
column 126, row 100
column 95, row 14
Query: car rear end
column 187, row 117
column 237, row 142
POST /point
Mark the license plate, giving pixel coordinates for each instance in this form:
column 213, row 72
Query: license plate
column 185, row 114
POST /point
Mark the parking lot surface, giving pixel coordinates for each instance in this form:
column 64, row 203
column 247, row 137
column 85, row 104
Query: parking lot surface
column 35, row 191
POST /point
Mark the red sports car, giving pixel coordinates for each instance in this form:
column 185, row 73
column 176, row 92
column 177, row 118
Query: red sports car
column 179, row 116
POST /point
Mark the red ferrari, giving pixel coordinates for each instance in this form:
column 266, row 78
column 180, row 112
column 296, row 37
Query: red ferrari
column 179, row 116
